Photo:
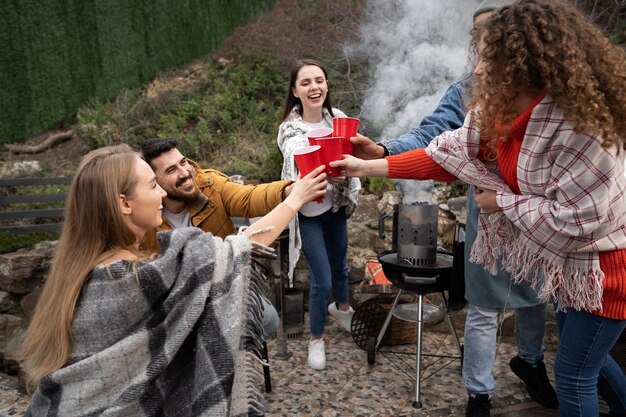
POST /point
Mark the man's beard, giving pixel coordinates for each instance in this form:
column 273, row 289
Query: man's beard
column 184, row 197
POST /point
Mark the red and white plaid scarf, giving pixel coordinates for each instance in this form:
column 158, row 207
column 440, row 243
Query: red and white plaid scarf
column 572, row 206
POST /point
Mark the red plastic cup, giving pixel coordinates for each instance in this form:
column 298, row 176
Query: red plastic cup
column 332, row 148
column 320, row 132
column 307, row 159
column 345, row 127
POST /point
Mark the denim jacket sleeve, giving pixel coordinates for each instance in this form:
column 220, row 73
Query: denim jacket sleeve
column 449, row 115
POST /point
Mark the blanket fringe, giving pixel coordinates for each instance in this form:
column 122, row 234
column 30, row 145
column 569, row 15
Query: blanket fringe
column 247, row 396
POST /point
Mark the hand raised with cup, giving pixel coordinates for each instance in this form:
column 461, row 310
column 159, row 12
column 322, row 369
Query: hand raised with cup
column 307, row 159
column 304, row 190
column 308, row 188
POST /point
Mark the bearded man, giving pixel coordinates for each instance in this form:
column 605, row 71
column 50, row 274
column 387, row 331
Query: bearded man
column 207, row 199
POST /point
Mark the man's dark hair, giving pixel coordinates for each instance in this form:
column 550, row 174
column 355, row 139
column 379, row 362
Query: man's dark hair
column 152, row 148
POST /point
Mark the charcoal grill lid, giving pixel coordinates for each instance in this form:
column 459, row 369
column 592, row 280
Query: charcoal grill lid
column 368, row 320
column 390, row 260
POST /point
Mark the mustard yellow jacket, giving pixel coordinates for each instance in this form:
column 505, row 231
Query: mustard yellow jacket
column 219, row 199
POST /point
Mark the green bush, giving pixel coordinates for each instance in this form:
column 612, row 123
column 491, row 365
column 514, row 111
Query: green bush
column 619, row 34
column 378, row 185
column 226, row 119
column 11, row 243
column 458, row 188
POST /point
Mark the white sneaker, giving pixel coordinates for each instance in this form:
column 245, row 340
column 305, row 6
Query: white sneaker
column 317, row 355
column 344, row 317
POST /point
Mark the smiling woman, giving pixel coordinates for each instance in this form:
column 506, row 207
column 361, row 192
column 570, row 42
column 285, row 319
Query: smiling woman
column 323, row 225
column 311, row 88
column 141, row 207
column 105, row 301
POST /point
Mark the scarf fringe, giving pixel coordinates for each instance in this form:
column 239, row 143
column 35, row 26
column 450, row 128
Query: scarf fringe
column 577, row 288
column 489, row 246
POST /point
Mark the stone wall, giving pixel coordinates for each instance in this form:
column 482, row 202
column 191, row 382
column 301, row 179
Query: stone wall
column 21, row 276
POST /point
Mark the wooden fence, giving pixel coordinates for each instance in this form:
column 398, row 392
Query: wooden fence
column 17, row 220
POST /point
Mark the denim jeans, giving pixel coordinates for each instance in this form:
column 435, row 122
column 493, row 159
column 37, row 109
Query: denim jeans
column 270, row 318
column 481, row 328
column 325, row 245
column 583, row 367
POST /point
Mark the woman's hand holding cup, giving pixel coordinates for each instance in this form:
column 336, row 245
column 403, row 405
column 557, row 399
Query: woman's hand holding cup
column 307, row 188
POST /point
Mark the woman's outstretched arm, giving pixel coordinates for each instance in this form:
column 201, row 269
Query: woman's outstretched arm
column 355, row 167
column 304, row 190
column 413, row 165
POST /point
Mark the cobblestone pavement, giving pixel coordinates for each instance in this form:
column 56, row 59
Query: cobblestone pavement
column 350, row 387
column 12, row 402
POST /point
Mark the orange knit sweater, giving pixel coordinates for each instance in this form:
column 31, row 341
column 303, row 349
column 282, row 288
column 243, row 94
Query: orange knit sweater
column 417, row 165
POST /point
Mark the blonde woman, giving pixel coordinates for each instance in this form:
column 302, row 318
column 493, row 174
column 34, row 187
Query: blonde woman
column 114, row 329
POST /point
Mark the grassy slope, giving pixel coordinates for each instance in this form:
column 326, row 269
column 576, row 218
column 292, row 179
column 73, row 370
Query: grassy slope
column 225, row 108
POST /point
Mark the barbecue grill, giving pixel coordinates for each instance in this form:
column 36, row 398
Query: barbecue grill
column 415, row 265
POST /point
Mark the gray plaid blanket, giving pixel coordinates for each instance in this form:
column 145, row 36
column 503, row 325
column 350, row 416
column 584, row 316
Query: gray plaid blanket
column 174, row 336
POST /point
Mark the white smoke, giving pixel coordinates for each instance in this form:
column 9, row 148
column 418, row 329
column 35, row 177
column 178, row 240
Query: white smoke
column 415, row 49
column 417, row 191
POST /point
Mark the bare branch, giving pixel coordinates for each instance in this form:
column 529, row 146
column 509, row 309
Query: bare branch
column 51, row 141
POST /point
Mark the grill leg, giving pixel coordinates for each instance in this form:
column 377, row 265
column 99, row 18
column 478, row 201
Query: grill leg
column 266, row 369
column 418, row 368
column 383, row 329
column 281, row 336
column 451, row 325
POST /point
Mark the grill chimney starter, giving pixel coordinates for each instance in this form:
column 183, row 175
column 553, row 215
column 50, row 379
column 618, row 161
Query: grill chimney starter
column 415, row 233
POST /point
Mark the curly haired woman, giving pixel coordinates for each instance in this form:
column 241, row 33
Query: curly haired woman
column 548, row 111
